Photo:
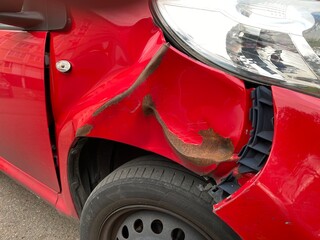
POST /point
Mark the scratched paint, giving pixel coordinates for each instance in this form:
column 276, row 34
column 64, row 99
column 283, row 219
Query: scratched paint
column 213, row 149
column 202, row 112
column 84, row 131
column 149, row 69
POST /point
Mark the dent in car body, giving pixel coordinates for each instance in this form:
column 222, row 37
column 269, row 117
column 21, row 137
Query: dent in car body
column 150, row 68
column 214, row 149
column 121, row 117
column 108, row 54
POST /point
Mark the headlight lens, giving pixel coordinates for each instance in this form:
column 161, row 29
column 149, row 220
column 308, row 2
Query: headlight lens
column 266, row 41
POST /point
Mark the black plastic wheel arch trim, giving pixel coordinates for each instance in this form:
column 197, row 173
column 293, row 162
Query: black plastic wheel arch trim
column 254, row 155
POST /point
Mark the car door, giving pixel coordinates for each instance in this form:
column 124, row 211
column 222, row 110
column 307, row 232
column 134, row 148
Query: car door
column 24, row 124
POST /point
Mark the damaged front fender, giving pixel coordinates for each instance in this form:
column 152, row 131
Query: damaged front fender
column 199, row 116
column 180, row 109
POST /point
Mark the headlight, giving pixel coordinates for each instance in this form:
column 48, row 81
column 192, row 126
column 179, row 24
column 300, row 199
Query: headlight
column 265, row 41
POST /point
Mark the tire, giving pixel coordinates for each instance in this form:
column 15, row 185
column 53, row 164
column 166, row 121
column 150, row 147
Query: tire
column 151, row 198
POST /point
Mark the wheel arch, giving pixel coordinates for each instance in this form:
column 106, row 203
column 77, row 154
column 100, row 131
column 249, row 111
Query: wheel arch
column 90, row 160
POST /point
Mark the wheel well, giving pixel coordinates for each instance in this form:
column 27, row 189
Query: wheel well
column 91, row 160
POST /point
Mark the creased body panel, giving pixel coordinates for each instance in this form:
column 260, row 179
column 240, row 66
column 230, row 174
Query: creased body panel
column 107, row 50
column 197, row 114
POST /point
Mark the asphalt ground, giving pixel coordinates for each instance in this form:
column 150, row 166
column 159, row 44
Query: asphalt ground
column 24, row 216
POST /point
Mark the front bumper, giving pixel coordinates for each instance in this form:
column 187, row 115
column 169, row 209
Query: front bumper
column 280, row 202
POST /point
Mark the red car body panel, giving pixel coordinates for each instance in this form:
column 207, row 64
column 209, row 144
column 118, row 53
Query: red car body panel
column 119, row 59
column 99, row 50
column 126, row 120
column 25, row 141
column 184, row 114
column 281, row 201
column 181, row 88
column 30, row 182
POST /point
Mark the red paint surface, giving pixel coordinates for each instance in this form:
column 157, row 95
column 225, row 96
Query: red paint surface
column 104, row 51
column 108, row 51
column 24, row 134
column 30, row 182
column 185, row 94
column 282, row 201
column 107, row 56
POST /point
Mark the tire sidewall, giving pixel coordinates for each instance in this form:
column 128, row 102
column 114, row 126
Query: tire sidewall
column 147, row 192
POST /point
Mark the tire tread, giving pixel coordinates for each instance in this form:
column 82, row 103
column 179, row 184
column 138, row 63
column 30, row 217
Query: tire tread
column 171, row 175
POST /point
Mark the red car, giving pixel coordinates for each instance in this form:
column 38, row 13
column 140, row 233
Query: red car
column 166, row 119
